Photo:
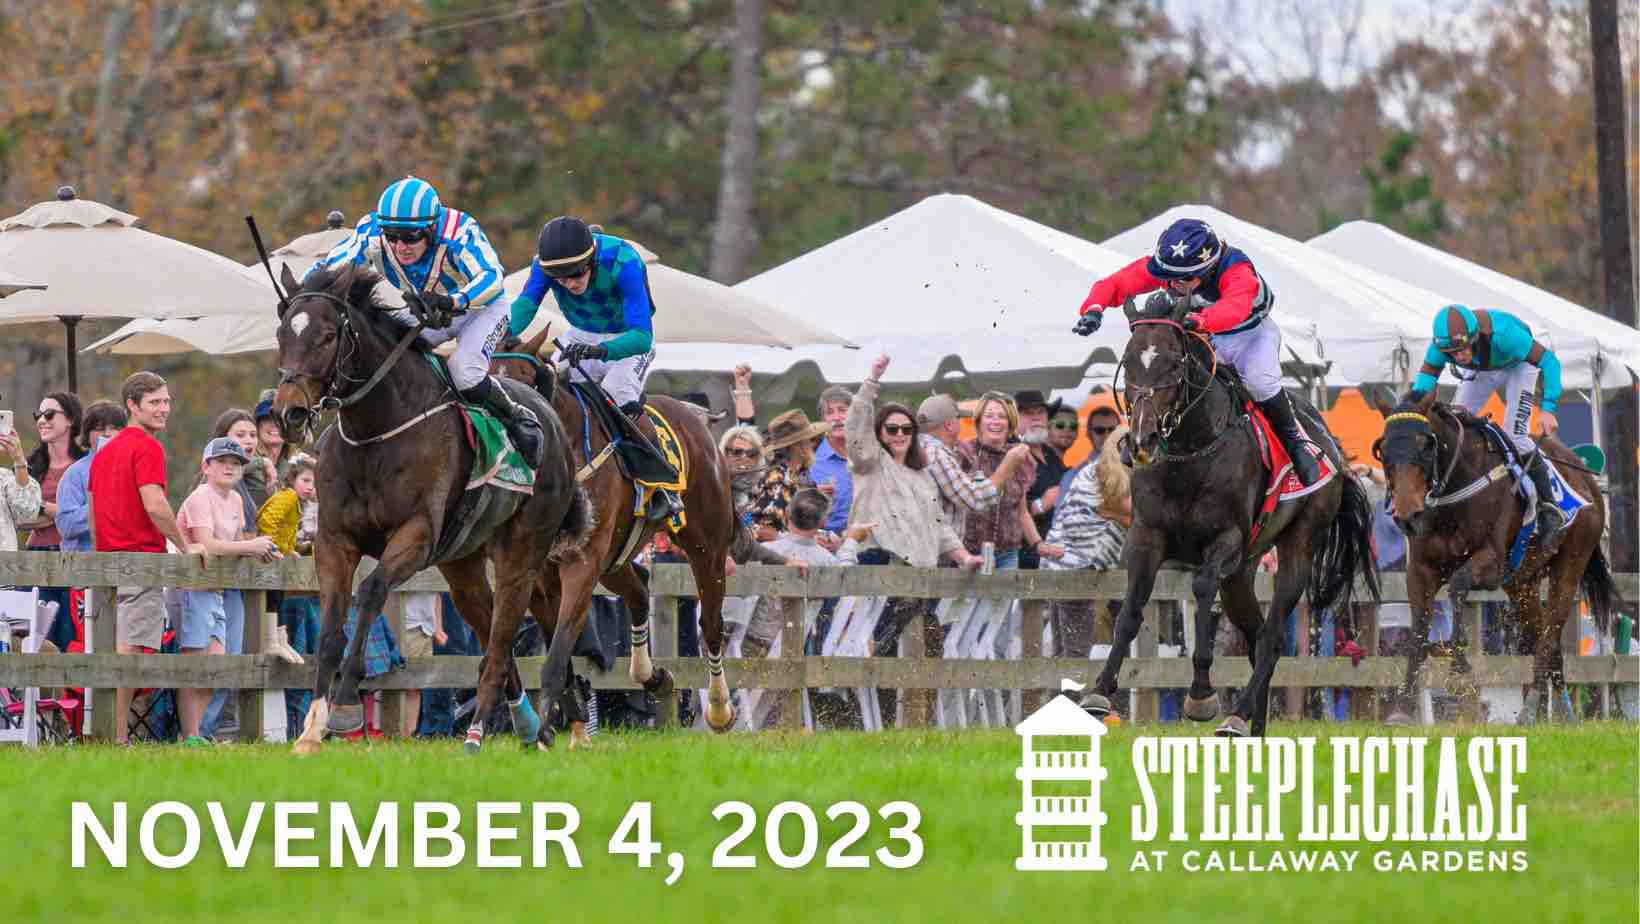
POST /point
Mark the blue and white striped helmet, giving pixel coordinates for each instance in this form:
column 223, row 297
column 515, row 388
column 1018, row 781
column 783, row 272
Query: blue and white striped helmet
column 1187, row 249
column 409, row 203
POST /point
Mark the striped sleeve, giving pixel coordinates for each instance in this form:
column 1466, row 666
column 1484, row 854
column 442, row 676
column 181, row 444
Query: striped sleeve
column 478, row 264
column 351, row 249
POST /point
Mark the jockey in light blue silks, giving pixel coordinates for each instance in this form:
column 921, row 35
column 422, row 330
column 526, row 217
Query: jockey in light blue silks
column 1491, row 351
column 441, row 256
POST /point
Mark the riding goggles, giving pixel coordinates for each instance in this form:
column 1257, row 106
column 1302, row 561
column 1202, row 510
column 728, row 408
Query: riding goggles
column 568, row 267
column 406, row 235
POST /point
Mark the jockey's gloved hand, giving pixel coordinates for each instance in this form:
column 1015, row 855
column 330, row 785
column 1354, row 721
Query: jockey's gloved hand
column 581, row 352
column 1193, row 321
column 437, row 309
column 1088, row 323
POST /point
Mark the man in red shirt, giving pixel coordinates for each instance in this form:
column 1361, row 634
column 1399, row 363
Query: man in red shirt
column 129, row 513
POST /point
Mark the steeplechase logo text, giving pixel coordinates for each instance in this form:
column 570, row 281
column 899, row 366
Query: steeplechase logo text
column 1436, row 805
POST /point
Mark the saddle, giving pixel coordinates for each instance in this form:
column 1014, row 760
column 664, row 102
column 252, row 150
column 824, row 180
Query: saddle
column 1283, row 484
column 663, row 468
column 499, row 483
column 1568, row 500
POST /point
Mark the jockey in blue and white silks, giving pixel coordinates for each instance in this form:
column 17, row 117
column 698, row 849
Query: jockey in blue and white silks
column 1493, row 351
column 441, row 255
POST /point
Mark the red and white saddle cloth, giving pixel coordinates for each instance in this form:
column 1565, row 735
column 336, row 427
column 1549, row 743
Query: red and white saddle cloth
column 1284, row 485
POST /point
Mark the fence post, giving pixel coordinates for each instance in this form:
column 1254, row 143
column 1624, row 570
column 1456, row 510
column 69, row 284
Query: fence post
column 791, row 660
column 914, row 645
column 1147, row 700
column 255, row 604
column 103, row 612
column 664, row 644
column 392, row 714
column 1033, row 614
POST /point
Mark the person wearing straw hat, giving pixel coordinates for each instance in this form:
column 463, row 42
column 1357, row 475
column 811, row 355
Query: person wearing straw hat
column 790, row 451
column 441, row 260
column 1230, row 301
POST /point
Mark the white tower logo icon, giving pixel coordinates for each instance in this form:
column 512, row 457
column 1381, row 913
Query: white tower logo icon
column 1068, row 761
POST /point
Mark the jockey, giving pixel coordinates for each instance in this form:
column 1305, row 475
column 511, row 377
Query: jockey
column 1491, row 351
column 602, row 289
column 1232, row 302
column 440, row 258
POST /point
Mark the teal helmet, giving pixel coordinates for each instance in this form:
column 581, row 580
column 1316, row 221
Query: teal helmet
column 1455, row 328
column 409, row 203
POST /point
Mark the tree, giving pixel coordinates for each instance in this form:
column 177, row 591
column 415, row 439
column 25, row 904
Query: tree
column 733, row 233
column 1399, row 197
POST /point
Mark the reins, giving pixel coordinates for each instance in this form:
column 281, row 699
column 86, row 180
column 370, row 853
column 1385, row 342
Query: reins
column 1169, row 420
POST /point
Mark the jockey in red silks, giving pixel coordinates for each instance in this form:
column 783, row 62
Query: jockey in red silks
column 1230, row 301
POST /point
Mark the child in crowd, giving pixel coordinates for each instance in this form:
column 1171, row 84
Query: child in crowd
column 282, row 519
column 213, row 516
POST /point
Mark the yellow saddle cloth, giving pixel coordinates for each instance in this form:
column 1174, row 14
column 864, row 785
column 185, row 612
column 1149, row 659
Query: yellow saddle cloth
column 666, row 440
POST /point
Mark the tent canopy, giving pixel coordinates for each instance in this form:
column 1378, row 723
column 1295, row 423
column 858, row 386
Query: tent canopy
column 1576, row 334
column 1359, row 317
column 11, row 285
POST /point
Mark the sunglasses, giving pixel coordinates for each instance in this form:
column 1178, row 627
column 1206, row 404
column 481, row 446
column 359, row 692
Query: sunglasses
column 566, row 272
column 405, row 235
column 1102, row 431
column 745, row 453
column 47, row 416
column 899, row 429
column 1065, row 425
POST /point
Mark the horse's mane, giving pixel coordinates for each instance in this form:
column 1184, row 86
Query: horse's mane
column 361, row 294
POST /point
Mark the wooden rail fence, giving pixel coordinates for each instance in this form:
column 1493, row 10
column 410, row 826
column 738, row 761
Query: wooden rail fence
column 255, row 673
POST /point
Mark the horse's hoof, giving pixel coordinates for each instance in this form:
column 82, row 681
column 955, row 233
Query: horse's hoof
column 720, row 718
column 305, row 747
column 1233, row 726
column 1096, row 705
column 1205, row 709
column 1399, row 719
column 526, row 724
column 660, row 683
column 345, row 719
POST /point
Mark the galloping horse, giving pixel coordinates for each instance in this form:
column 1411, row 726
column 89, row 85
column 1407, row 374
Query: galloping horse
column 570, row 578
column 392, row 485
column 1198, row 485
column 1451, row 495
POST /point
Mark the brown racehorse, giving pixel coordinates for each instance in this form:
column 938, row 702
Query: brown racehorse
column 392, row 482
column 1460, row 517
column 568, row 582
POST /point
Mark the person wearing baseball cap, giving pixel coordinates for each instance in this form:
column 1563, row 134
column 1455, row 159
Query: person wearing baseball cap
column 960, row 492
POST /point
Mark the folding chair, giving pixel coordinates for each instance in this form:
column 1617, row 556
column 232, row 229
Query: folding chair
column 153, row 714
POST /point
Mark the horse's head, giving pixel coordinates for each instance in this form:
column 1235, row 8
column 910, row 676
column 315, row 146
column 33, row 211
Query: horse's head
column 315, row 336
column 1155, row 366
column 1408, row 451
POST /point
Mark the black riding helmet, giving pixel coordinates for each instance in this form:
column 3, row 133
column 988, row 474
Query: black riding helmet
column 565, row 248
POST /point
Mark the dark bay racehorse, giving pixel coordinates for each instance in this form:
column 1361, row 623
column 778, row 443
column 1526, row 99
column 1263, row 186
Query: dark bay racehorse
column 569, row 580
column 1198, row 483
column 1458, row 510
column 391, row 486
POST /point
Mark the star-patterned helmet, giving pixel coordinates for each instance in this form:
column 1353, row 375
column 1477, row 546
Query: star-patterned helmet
column 1187, row 249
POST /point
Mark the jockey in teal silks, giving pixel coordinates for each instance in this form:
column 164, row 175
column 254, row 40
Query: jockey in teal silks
column 1492, row 351
column 451, row 278
column 602, row 289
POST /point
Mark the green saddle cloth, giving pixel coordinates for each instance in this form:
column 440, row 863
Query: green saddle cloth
column 495, row 460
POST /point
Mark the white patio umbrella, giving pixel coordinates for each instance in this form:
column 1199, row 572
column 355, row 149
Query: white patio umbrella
column 226, row 334
column 97, row 263
column 11, row 285
column 694, row 309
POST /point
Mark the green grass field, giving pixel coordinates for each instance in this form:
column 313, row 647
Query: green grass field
column 1580, row 789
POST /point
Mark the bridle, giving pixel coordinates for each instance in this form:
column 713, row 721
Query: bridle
column 346, row 350
column 1429, row 460
column 1169, row 418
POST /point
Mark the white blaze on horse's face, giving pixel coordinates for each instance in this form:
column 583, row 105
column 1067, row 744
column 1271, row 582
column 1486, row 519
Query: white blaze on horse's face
column 1148, row 356
column 298, row 323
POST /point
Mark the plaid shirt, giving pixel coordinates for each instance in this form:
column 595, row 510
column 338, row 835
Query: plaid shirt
column 960, row 491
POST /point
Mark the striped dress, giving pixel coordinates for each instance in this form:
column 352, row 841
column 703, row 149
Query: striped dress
column 1089, row 539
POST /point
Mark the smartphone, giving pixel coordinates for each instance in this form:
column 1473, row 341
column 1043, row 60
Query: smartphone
column 5, row 422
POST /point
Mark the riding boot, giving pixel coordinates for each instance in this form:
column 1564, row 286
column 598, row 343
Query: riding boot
column 520, row 421
column 1550, row 521
column 669, row 504
column 1279, row 411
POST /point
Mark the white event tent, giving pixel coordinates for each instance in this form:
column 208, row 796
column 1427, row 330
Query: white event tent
column 1577, row 335
column 961, row 295
column 1360, row 318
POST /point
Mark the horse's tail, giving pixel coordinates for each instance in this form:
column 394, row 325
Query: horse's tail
column 1345, row 554
column 1600, row 589
column 577, row 526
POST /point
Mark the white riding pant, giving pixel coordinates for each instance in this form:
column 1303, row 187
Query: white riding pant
column 1518, row 386
column 623, row 379
column 477, row 332
column 1255, row 354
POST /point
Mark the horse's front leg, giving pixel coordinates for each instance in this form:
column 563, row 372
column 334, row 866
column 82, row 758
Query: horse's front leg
column 336, row 561
column 406, row 553
column 1253, row 706
column 1422, row 582
column 1142, row 556
column 1220, row 557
